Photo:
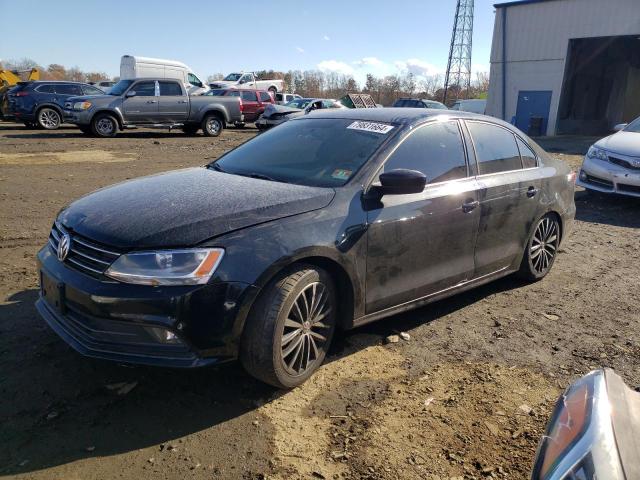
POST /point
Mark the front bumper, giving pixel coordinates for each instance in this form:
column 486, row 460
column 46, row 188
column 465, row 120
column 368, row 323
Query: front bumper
column 607, row 177
column 78, row 117
column 126, row 323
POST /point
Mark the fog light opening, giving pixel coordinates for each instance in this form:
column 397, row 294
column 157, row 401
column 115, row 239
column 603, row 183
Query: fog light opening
column 162, row 335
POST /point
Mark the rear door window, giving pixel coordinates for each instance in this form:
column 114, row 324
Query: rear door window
column 496, row 148
column 145, row 89
column 68, row 89
column 46, row 89
column 265, row 97
column 249, row 96
column 529, row 159
column 170, row 89
column 435, row 150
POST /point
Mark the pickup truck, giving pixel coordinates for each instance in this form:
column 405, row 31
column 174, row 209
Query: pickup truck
column 248, row 80
column 157, row 102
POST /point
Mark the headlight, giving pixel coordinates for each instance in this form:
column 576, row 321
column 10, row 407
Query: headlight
column 81, row 105
column 167, row 267
column 595, row 152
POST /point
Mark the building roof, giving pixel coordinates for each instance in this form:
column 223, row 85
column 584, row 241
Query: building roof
column 515, row 3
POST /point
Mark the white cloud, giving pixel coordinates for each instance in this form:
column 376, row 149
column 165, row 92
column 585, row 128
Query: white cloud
column 419, row 68
column 369, row 61
column 336, row 67
column 326, row 38
column 300, row 49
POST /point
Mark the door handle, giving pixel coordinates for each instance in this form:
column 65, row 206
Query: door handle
column 470, row 205
column 152, row 101
column 532, row 192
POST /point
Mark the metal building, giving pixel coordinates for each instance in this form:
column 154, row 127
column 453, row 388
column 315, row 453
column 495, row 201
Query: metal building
column 565, row 66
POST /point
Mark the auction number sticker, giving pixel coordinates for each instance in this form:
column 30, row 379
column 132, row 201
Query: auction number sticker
column 371, row 127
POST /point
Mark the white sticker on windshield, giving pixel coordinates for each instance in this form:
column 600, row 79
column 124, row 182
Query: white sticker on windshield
column 371, row 127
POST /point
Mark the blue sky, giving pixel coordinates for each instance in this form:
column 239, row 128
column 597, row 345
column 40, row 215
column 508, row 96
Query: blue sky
column 353, row 37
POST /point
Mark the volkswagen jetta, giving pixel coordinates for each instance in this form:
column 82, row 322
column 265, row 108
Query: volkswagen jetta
column 332, row 220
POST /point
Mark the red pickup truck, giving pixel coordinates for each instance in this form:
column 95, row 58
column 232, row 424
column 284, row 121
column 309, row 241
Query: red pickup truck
column 253, row 101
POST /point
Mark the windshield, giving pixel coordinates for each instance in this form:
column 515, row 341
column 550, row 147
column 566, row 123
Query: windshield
column 298, row 103
column 314, row 152
column 633, row 127
column 233, row 77
column 436, row 105
column 120, row 87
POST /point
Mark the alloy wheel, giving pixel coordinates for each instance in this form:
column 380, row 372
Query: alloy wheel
column 49, row 118
column 304, row 332
column 544, row 245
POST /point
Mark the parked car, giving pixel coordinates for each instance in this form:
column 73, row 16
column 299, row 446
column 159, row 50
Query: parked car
column 103, row 85
column 593, row 432
column 284, row 98
column 276, row 114
column 337, row 218
column 474, row 105
column 153, row 102
column 612, row 165
column 41, row 103
column 248, row 80
column 132, row 67
column 253, row 101
column 419, row 103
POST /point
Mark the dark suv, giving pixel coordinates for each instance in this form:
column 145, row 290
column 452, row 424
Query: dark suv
column 41, row 103
column 419, row 103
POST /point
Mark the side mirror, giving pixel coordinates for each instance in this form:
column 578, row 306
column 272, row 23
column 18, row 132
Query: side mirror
column 620, row 126
column 401, row 182
column 131, row 93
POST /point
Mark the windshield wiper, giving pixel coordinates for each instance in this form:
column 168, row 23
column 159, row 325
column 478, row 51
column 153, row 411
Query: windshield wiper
column 216, row 167
column 260, row 176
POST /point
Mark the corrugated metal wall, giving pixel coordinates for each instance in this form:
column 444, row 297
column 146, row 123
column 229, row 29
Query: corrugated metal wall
column 537, row 40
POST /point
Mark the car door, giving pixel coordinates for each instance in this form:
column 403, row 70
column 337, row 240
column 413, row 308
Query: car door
column 250, row 105
column 173, row 102
column 420, row 244
column 508, row 196
column 247, row 81
column 143, row 106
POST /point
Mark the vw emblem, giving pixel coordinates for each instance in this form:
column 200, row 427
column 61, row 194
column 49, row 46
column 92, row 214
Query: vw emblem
column 64, row 246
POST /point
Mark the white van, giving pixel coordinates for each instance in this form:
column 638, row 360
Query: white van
column 475, row 105
column 141, row 67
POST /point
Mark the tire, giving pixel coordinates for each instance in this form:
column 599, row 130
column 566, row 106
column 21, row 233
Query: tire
column 190, row 129
column 283, row 343
column 49, row 118
column 541, row 250
column 212, row 125
column 104, row 125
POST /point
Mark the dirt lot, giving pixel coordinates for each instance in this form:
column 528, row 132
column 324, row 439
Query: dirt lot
column 466, row 397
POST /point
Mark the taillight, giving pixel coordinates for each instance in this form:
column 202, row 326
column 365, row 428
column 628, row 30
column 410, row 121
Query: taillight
column 22, row 94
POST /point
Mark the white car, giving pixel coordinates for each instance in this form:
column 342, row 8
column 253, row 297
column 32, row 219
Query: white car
column 612, row 165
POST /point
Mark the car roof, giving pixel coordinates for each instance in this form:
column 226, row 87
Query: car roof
column 39, row 82
column 398, row 115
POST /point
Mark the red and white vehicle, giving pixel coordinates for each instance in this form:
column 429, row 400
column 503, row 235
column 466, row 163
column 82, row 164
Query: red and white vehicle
column 253, row 101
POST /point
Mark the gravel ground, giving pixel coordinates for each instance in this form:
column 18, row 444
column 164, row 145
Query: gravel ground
column 467, row 396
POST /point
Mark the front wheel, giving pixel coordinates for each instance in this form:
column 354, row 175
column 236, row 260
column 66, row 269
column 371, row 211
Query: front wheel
column 212, row 126
column 290, row 328
column 541, row 249
column 104, row 125
column 49, row 118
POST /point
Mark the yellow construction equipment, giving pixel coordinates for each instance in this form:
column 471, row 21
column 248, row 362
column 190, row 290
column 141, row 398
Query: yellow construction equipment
column 9, row 78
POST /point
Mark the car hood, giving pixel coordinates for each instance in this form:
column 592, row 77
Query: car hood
column 185, row 207
column 90, row 98
column 623, row 143
column 271, row 110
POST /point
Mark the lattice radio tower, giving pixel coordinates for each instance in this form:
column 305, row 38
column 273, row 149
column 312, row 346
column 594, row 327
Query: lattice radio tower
column 458, row 75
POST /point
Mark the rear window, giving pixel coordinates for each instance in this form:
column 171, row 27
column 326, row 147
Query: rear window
column 496, row 148
column 249, row 96
column 528, row 157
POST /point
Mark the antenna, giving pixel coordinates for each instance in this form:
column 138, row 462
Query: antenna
column 458, row 75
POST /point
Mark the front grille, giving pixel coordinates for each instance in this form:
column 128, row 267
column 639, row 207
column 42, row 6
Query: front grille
column 84, row 255
column 599, row 181
column 623, row 187
column 624, row 163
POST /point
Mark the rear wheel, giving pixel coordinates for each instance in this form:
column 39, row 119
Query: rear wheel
column 104, row 125
column 49, row 118
column 290, row 328
column 541, row 249
column 212, row 126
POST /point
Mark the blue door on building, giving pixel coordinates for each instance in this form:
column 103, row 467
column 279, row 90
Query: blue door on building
column 533, row 104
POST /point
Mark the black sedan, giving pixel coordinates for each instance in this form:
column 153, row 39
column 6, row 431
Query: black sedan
column 329, row 221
